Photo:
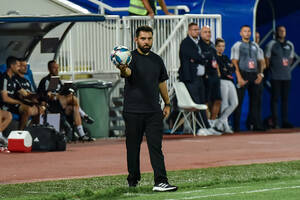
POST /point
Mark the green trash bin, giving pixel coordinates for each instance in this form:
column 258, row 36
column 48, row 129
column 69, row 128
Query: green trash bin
column 93, row 98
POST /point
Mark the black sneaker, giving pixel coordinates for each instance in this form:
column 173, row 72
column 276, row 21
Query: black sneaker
column 86, row 138
column 132, row 184
column 164, row 187
column 88, row 119
column 287, row 125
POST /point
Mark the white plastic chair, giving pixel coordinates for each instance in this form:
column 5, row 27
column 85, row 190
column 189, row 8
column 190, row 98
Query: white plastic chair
column 187, row 107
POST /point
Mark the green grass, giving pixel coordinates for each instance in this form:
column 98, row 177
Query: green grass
column 235, row 182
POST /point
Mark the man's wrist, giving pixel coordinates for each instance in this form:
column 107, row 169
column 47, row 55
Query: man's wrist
column 261, row 75
column 167, row 104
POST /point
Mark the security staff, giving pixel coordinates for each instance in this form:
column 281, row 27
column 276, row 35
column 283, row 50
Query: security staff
column 245, row 56
column 279, row 56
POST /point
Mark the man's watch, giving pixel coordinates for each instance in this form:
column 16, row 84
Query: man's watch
column 262, row 75
column 167, row 104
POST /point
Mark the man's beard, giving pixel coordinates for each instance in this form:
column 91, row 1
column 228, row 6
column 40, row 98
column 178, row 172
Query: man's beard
column 144, row 49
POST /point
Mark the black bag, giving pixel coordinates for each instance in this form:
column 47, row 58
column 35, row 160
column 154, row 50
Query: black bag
column 46, row 138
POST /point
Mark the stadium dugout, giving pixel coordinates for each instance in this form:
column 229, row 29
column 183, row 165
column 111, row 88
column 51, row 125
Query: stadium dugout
column 19, row 36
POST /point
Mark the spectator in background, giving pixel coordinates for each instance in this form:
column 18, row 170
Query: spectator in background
column 228, row 90
column 64, row 101
column 262, row 64
column 279, row 55
column 245, row 56
column 212, row 74
column 146, row 7
column 192, row 70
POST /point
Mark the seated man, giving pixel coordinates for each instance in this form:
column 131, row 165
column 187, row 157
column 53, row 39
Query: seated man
column 58, row 101
column 5, row 119
column 12, row 93
column 28, row 92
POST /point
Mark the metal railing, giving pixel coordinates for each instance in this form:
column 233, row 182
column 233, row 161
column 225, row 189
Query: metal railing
column 87, row 46
column 168, row 32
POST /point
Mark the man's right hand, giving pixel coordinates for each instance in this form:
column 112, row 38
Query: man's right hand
column 242, row 82
column 151, row 14
column 122, row 67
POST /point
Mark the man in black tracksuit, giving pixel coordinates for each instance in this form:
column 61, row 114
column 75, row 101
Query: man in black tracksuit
column 145, row 79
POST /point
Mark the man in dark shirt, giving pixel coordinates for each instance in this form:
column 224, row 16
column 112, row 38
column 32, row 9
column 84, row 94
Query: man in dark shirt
column 212, row 74
column 279, row 57
column 28, row 90
column 12, row 93
column 60, row 102
column 145, row 78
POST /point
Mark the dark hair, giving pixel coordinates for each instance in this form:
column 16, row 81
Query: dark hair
column 144, row 29
column 22, row 59
column 277, row 29
column 50, row 63
column 192, row 24
column 11, row 60
column 245, row 26
column 219, row 40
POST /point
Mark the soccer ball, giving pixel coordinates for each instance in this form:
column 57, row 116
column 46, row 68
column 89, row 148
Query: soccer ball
column 120, row 55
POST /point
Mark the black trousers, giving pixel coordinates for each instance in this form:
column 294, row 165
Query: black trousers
column 254, row 100
column 197, row 92
column 259, row 108
column 280, row 90
column 152, row 125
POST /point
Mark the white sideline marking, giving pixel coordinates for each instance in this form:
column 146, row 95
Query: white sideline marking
column 235, row 193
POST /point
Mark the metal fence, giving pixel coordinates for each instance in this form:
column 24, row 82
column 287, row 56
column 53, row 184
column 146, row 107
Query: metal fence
column 87, row 47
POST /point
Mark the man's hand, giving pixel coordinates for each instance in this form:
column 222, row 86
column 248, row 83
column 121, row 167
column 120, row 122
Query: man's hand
column 258, row 79
column 23, row 92
column 166, row 111
column 52, row 96
column 122, row 67
column 151, row 14
column 42, row 109
column 242, row 82
column 125, row 70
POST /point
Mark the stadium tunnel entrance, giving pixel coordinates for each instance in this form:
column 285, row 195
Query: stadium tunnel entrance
column 267, row 15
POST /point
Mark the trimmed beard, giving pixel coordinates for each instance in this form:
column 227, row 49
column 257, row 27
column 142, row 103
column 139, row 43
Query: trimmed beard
column 144, row 50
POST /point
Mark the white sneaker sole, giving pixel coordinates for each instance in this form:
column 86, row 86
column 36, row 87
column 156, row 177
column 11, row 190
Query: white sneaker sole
column 160, row 189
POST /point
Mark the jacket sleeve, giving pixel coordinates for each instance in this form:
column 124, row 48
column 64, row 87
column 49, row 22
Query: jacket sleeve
column 187, row 67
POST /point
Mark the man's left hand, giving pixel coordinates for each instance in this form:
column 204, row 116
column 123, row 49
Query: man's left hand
column 166, row 111
column 258, row 80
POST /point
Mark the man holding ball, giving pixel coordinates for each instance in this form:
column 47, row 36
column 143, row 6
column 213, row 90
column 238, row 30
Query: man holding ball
column 145, row 78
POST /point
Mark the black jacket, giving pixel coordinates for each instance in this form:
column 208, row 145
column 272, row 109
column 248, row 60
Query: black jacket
column 189, row 50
